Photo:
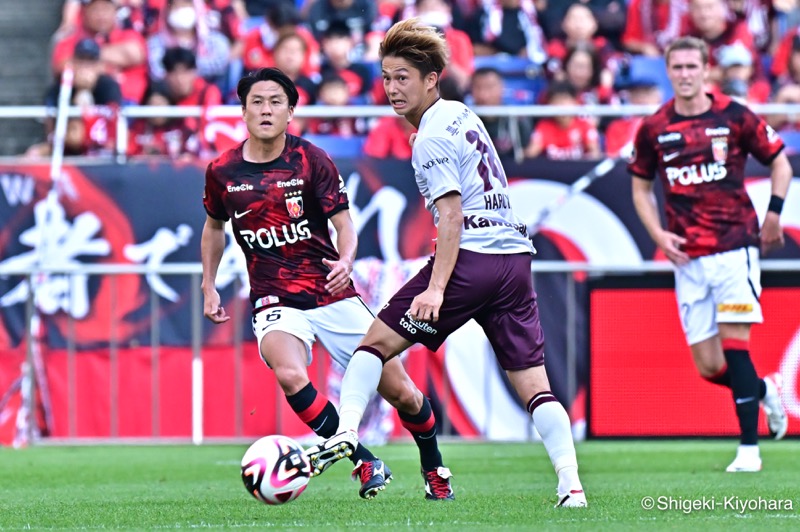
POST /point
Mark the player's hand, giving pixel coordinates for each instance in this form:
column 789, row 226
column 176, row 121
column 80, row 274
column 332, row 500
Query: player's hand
column 670, row 244
column 425, row 307
column 339, row 276
column 771, row 233
column 212, row 308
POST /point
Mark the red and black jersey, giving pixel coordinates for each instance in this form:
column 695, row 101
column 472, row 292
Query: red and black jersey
column 279, row 211
column 700, row 161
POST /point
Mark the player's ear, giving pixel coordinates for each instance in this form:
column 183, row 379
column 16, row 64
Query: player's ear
column 291, row 113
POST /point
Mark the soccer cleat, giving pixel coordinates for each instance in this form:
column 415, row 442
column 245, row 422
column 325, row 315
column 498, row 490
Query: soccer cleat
column 437, row 484
column 330, row 451
column 572, row 499
column 777, row 420
column 747, row 460
column 374, row 475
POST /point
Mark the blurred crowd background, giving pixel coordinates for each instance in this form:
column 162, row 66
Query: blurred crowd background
column 503, row 52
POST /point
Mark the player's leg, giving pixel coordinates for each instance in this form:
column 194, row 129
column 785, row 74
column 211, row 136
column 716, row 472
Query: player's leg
column 285, row 337
column 512, row 326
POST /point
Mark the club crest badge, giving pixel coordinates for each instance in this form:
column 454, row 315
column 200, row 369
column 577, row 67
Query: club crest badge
column 719, row 149
column 294, row 204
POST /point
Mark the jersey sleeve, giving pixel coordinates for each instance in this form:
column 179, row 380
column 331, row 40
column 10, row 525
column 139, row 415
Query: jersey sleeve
column 759, row 138
column 212, row 196
column 329, row 185
column 644, row 160
column 439, row 166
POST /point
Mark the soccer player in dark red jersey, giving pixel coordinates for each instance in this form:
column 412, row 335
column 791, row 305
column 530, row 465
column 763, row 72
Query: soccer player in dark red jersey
column 279, row 192
column 481, row 268
column 697, row 145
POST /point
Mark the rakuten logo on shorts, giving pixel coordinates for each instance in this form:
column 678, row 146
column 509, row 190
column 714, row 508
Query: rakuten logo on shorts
column 240, row 188
column 291, row 183
column 696, row 174
column 267, row 238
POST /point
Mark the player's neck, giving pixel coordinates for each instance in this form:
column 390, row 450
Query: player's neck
column 415, row 118
column 693, row 106
column 263, row 151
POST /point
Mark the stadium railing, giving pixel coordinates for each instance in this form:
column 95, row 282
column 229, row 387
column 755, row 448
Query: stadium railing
column 194, row 271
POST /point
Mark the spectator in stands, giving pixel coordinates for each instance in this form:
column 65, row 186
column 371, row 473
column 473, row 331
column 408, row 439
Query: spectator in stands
column 259, row 44
column 160, row 135
column 289, row 55
column 583, row 69
column 510, row 137
column 653, row 24
column 390, row 138
column 333, row 91
column 74, row 142
column 564, row 137
column 183, row 26
column 708, row 20
column 790, row 67
column 91, row 85
column 609, row 14
column 337, row 50
column 639, row 89
column 508, row 27
column 757, row 15
column 790, row 95
column 131, row 14
column 578, row 27
column 122, row 51
column 736, row 62
column 359, row 15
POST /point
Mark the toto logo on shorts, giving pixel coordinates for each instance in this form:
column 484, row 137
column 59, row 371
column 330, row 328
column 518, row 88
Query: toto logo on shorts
column 277, row 236
column 413, row 326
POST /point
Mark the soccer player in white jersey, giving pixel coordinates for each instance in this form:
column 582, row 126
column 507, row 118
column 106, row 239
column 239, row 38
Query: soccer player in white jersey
column 480, row 270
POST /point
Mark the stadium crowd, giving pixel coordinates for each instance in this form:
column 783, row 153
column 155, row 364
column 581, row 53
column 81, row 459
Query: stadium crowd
column 504, row 52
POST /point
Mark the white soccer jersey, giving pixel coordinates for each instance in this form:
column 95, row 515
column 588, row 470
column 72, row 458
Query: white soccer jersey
column 453, row 152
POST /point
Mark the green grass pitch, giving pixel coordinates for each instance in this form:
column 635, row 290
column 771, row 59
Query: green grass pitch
column 498, row 486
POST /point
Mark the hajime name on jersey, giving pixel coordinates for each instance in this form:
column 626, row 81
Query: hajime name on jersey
column 696, row 174
column 277, row 236
column 497, row 201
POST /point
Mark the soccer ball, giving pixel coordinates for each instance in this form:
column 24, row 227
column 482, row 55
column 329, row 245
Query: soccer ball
column 275, row 470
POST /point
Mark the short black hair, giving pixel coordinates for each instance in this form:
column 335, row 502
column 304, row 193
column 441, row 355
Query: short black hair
column 337, row 28
column 177, row 55
column 282, row 14
column 483, row 71
column 561, row 87
column 267, row 74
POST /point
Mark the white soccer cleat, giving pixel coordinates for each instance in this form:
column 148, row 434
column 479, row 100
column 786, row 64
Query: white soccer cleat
column 572, row 499
column 747, row 460
column 777, row 420
column 330, row 451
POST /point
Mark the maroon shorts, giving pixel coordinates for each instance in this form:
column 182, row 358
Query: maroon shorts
column 495, row 290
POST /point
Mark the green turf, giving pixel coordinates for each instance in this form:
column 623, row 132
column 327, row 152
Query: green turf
column 498, row 486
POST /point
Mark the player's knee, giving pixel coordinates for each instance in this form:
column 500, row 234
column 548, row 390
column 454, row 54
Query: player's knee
column 709, row 369
column 291, row 379
column 406, row 398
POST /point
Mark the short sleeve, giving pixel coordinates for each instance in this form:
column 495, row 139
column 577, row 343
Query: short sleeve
column 644, row 160
column 438, row 164
column 328, row 185
column 212, row 196
column 759, row 138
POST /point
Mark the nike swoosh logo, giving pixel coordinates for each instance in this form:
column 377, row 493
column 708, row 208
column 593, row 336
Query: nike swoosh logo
column 379, row 470
column 320, row 425
column 238, row 215
column 670, row 156
column 743, row 400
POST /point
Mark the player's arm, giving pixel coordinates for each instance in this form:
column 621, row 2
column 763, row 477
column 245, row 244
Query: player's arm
column 425, row 307
column 346, row 243
column 771, row 231
column 212, row 245
column 644, row 200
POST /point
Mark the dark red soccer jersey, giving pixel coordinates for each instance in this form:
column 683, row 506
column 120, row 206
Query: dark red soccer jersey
column 279, row 211
column 700, row 162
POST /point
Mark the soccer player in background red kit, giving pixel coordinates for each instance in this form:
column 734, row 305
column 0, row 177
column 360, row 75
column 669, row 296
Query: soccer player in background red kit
column 280, row 191
column 697, row 145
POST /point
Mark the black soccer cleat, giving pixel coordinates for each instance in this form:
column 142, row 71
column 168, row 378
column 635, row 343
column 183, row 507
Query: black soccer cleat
column 437, row 484
column 373, row 475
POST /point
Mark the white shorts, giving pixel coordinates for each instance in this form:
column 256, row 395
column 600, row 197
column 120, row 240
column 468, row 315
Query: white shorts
column 339, row 326
column 720, row 288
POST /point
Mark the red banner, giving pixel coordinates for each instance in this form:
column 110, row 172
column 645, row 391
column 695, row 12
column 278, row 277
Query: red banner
column 642, row 379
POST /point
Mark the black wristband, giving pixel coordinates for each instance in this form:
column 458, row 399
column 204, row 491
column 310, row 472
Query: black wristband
column 775, row 204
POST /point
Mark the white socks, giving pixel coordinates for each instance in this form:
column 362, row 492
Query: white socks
column 359, row 384
column 552, row 424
